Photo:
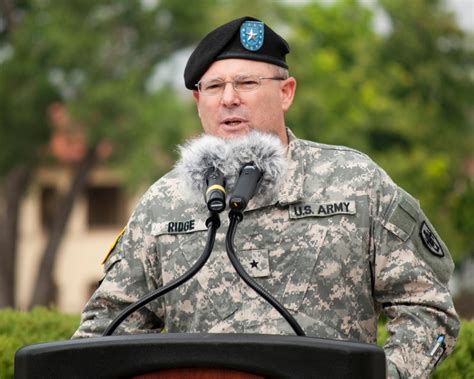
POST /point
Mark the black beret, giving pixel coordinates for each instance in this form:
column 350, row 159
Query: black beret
column 245, row 38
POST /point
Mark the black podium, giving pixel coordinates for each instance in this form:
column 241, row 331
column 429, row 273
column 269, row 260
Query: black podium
column 200, row 356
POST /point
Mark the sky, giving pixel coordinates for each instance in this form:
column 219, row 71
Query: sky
column 464, row 10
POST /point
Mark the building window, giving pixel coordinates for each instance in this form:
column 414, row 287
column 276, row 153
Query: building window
column 50, row 199
column 105, row 206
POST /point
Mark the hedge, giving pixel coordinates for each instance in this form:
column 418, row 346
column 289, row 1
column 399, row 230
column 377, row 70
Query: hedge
column 24, row 328
column 43, row 325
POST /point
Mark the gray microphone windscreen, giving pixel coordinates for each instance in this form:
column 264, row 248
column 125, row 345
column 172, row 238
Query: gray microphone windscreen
column 199, row 155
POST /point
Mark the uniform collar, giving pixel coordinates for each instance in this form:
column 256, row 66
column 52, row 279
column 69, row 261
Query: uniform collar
column 291, row 190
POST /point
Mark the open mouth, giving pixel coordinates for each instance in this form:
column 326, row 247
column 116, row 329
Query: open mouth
column 233, row 122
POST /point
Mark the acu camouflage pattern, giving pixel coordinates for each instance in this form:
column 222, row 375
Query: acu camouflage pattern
column 334, row 272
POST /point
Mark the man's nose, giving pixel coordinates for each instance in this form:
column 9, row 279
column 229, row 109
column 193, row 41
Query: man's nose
column 230, row 97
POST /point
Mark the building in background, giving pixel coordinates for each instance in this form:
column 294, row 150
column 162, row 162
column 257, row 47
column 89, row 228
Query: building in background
column 97, row 217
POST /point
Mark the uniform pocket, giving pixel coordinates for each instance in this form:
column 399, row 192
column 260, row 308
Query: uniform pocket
column 215, row 285
column 293, row 247
column 305, row 249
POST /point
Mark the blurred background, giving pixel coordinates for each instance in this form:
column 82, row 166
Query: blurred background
column 93, row 104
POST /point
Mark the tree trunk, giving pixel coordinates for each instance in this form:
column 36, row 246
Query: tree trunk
column 45, row 290
column 12, row 188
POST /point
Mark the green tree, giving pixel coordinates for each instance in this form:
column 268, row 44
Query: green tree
column 403, row 97
column 435, row 60
column 94, row 56
column 23, row 129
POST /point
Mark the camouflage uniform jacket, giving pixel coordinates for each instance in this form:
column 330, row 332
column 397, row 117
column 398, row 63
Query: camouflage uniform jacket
column 338, row 244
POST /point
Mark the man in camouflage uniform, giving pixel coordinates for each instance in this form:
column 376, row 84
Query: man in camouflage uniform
column 339, row 243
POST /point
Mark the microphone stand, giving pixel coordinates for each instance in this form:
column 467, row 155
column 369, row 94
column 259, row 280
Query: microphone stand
column 212, row 224
column 236, row 217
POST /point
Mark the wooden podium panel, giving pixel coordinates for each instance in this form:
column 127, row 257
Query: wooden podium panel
column 199, row 373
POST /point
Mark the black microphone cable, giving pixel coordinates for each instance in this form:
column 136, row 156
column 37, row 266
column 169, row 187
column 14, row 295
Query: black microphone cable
column 212, row 223
column 245, row 188
column 235, row 218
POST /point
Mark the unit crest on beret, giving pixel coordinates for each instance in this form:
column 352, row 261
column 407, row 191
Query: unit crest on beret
column 251, row 35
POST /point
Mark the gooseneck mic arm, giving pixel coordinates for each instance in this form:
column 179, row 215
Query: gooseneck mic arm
column 235, row 218
column 247, row 184
column 212, row 224
column 214, row 204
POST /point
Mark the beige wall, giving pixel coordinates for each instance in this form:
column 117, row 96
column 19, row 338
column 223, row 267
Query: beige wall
column 79, row 259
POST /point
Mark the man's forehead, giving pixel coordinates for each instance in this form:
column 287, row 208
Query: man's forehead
column 234, row 67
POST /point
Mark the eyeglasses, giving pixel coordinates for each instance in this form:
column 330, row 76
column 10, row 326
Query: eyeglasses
column 239, row 84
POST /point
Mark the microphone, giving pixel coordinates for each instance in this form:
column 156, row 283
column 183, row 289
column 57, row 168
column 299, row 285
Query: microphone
column 246, row 186
column 202, row 167
column 215, row 190
column 267, row 154
column 206, row 154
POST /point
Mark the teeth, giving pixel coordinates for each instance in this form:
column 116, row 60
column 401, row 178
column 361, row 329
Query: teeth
column 232, row 123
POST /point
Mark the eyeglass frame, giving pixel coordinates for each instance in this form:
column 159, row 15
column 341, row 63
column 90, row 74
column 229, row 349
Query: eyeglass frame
column 224, row 82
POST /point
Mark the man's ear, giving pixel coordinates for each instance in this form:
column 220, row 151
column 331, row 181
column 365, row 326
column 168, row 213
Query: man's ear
column 196, row 96
column 287, row 91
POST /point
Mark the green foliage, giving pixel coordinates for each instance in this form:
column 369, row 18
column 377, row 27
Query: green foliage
column 157, row 130
column 18, row 329
column 95, row 57
column 23, row 115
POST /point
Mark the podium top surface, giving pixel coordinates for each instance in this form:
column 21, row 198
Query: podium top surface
column 272, row 356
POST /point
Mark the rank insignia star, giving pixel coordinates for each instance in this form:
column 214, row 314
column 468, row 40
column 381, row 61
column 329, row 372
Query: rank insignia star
column 252, row 35
column 254, row 264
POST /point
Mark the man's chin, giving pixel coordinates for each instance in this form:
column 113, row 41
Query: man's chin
column 235, row 132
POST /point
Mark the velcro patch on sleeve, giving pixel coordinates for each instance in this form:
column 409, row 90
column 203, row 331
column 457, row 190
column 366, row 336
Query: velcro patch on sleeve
column 402, row 216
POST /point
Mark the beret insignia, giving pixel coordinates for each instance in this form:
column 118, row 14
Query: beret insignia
column 251, row 35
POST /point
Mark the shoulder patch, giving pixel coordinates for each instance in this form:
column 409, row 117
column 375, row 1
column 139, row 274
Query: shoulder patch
column 112, row 247
column 430, row 241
